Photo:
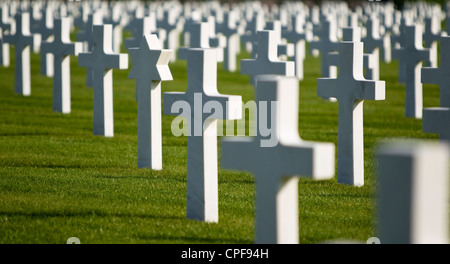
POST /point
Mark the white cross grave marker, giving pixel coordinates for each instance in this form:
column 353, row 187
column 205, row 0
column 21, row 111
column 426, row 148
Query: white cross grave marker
column 267, row 61
column 197, row 104
column 351, row 89
column 102, row 60
column 61, row 48
column 23, row 41
column 413, row 193
column 276, row 167
column 412, row 56
column 149, row 68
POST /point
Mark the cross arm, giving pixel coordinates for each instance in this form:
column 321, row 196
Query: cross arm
column 427, row 55
column 370, row 90
column 305, row 159
column 116, row 61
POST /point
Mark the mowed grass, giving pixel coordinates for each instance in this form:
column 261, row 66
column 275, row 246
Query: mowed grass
column 58, row 180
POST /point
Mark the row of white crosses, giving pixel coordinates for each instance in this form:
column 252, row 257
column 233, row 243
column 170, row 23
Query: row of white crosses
column 202, row 156
column 279, row 215
column 102, row 60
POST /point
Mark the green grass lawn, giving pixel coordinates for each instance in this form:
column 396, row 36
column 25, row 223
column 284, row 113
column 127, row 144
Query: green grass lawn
column 58, row 180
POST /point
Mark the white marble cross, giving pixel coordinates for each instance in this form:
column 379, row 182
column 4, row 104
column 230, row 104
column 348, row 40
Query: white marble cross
column 276, row 167
column 196, row 104
column 411, row 56
column 413, row 193
column 267, row 61
column 149, row 68
column 61, row 48
column 102, row 60
column 23, row 40
column 437, row 119
column 351, row 89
